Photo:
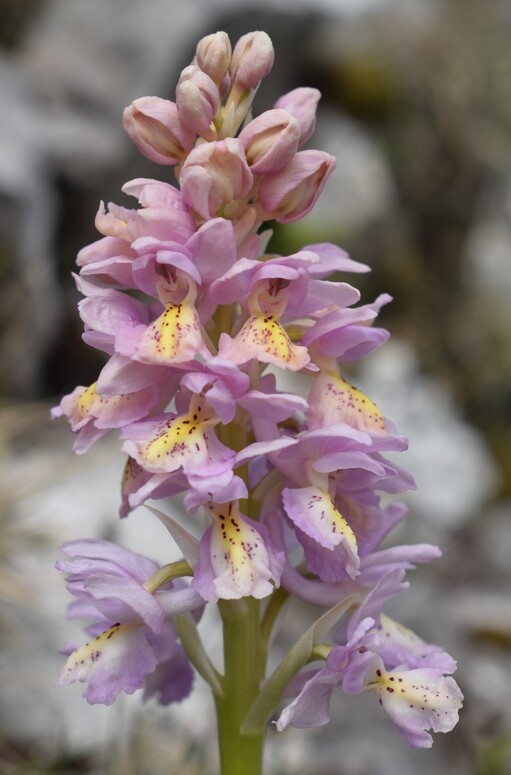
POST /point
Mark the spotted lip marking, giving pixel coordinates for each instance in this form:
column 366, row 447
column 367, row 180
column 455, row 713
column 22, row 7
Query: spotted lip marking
column 172, row 337
column 177, row 440
column 238, row 551
column 357, row 409
column 263, row 337
column 80, row 661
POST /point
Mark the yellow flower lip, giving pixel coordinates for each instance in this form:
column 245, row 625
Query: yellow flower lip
column 179, row 439
column 173, row 337
column 85, row 401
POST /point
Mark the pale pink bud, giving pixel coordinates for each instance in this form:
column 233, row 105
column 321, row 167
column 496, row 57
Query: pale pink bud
column 289, row 194
column 270, row 141
column 153, row 124
column 197, row 100
column 214, row 55
column 302, row 104
column 213, row 175
column 252, row 59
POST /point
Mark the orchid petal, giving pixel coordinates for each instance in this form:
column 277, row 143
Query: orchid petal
column 263, row 337
column 417, row 700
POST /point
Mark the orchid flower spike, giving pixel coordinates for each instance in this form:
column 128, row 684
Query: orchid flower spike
column 273, row 493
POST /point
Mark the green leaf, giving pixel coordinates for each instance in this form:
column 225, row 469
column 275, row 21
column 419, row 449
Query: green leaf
column 192, row 644
column 188, row 544
column 272, row 691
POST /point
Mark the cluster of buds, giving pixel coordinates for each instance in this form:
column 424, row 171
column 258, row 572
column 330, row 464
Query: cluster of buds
column 257, row 176
column 192, row 382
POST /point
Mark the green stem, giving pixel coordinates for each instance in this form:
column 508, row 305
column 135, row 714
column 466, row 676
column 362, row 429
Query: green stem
column 223, row 322
column 301, row 653
column 174, row 570
column 320, row 651
column 244, row 657
column 192, row 644
column 278, row 599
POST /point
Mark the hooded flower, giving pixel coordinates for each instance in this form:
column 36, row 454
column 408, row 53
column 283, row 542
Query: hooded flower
column 175, row 336
column 275, row 291
column 416, row 700
column 237, row 556
column 92, row 415
column 347, row 334
column 133, row 643
column 317, row 462
column 163, row 215
column 169, row 444
column 263, row 337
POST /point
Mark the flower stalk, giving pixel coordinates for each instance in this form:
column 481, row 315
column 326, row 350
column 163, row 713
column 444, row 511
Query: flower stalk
column 244, row 659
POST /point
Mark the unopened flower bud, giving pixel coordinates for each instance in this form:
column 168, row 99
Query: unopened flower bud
column 270, row 141
column 302, row 104
column 252, row 59
column 214, row 55
column 290, row 193
column 153, row 124
column 197, row 100
column 213, row 175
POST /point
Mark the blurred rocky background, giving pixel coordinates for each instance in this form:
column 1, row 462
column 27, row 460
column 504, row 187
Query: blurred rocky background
column 416, row 107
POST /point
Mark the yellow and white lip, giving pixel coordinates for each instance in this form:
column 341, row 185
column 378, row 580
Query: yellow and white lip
column 328, row 521
column 265, row 337
column 85, row 401
column 239, row 556
column 333, row 400
column 177, row 440
column 175, row 336
column 100, row 650
column 92, row 404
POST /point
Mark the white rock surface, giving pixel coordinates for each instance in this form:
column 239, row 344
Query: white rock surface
column 449, row 459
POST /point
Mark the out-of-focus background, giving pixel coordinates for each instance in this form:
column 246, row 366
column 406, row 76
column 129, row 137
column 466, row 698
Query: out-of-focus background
column 416, row 106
